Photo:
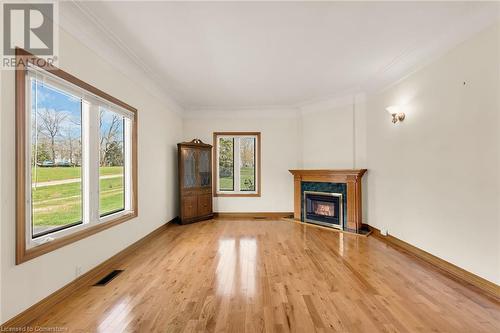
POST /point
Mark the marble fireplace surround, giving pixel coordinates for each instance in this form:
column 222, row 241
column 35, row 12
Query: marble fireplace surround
column 350, row 177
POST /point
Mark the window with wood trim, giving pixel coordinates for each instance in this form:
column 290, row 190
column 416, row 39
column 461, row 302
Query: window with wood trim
column 237, row 164
column 76, row 158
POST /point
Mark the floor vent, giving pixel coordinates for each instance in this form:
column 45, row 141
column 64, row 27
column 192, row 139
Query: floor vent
column 105, row 280
column 259, row 217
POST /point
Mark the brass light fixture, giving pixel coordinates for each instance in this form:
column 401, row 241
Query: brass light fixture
column 395, row 112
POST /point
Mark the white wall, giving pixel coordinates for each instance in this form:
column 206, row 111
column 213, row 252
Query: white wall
column 159, row 131
column 327, row 141
column 280, row 142
column 334, row 133
column 433, row 180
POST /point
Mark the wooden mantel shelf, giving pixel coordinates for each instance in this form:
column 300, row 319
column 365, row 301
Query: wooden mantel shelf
column 351, row 177
column 329, row 173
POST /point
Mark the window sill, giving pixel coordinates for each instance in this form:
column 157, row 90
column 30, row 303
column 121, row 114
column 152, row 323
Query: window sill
column 24, row 254
column 239, row 194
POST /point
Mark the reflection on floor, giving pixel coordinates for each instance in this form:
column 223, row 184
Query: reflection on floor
column 273, row 275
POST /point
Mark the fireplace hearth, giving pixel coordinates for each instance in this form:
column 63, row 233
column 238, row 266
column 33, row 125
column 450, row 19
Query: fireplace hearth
column 323, row 208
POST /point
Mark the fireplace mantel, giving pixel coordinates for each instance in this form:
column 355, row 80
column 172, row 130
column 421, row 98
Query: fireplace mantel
column 330, row 175
column 351, row 177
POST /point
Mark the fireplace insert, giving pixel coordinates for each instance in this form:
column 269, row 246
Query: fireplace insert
column 323, row 208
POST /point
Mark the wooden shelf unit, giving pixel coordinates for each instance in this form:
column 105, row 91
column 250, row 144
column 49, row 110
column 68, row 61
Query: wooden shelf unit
column 195, row 181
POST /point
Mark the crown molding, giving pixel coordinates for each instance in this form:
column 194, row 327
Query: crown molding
column 417, row 57
column 242, row 112
column 79, row 22
column 405, row 64
column 330, row 103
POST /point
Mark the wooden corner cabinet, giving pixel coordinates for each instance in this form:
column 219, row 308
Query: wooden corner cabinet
column 195, row 181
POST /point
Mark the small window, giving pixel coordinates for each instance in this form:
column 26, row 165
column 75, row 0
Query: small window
column 75, row 158
column 225, row 174
column 237, row 164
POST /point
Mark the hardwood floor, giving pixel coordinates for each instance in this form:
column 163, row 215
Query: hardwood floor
column 273, row 276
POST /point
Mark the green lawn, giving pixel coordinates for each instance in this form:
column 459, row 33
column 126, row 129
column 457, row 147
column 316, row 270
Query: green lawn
column 61, row 204
column 44, row 174
column 111, row 198
column 226, row 183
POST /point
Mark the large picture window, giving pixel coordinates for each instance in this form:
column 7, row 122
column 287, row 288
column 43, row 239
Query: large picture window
column 76, row 153
column 56, row 158
column 237, row 163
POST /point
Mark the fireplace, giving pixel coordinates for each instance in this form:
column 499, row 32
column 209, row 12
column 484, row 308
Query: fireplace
column 346, row 182
column 323, row 208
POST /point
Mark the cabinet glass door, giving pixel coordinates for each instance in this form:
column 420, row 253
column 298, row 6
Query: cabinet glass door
column 204, row 167
column 189, row 160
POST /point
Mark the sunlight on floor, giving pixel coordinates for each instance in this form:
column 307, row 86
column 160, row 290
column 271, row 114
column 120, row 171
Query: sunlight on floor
column 119, row 314
column 236, row 270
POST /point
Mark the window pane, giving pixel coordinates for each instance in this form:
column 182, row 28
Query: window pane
column 226, row 164
column 56, row 146
column 189, row 168
column 111, row 163
column 204, row 167
column 247, row 165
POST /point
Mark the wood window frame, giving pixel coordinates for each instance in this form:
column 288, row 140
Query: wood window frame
column 258, row 173
column 24, row 254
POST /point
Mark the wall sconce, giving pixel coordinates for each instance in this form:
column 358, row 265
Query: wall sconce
column 396, row 113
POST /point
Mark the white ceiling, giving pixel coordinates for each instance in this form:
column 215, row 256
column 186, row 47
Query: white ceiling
column 242, row 54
